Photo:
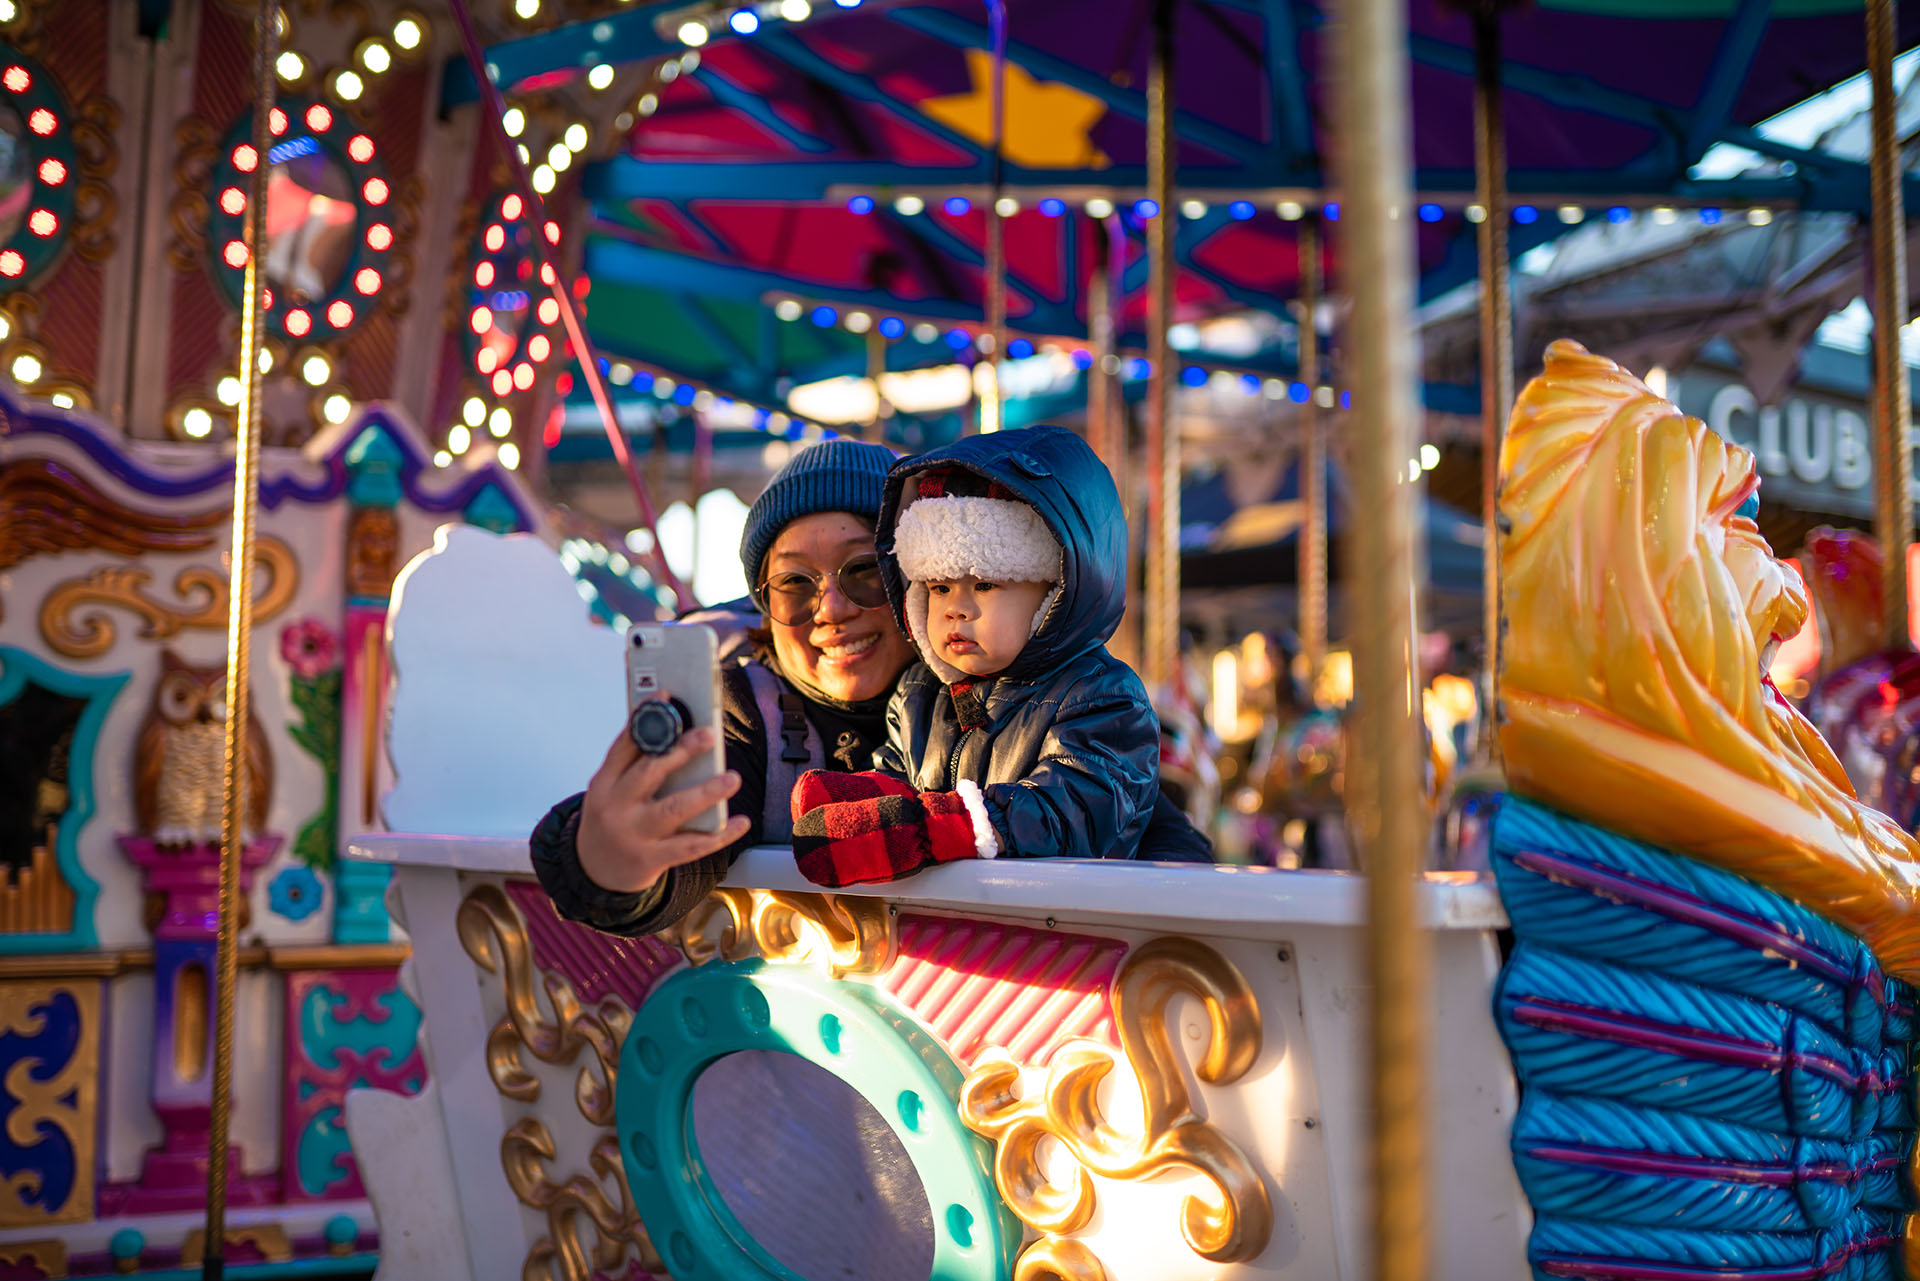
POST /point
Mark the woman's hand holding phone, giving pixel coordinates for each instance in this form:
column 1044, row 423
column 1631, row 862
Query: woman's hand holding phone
column 631, row 832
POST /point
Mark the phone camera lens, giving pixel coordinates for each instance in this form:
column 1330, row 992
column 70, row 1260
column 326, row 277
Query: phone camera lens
column 658, row 724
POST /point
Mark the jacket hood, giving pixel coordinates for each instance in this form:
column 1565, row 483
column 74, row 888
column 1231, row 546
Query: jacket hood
column 1055, row 472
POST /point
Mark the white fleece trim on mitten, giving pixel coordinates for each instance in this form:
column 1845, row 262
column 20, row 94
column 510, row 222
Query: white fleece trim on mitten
column 986, row 842
column 955, row 536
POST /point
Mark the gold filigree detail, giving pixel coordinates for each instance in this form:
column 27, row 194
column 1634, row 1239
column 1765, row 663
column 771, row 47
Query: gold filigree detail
column 1059, row 1259
column 67, row 1100
column 95, row 206
column 49, row 1256
column 93, row 635
column 1232, row 1222
column 197, row 146
column 575, row 1207
column 269, row 1238
column 851, row 934
column 54, row 511
column 494, row 934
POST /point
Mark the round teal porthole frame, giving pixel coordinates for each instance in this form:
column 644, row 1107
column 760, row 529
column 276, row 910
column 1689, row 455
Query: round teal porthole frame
column 704, row 1013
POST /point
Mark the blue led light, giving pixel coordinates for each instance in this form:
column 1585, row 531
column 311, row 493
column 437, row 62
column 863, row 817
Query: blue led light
column 642, row 380
column 744, row 21
column 1138, row 367
column 508, row 300
column 892, row 326
column 1333, row 211
column 760, row 417
column 1052, row 208
column 795, row 431
column 1241, row 210
column 959, row 339
column 1431, row 213
column 1346, row 400
column 1525, row 214
column 956, row 205
column 1619, row 213
column 1709, row 216
column 683, row 394
column 1019, row 349
column 1082, row 358
column 283, row 151
column 824, row 317
column 1145, row 209
column 1193, row 376
column 1249, row 384
column 1298, row 393
column 860, row 205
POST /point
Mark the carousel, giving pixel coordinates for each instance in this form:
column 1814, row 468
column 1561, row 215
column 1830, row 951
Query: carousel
column 366, row 369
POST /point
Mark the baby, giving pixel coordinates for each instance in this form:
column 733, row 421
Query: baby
column 1017, row 734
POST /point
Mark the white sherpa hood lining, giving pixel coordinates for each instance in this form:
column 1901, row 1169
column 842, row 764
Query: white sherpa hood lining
column 956, row 536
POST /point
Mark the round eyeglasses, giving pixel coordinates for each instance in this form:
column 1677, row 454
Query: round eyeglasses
column 791, row 596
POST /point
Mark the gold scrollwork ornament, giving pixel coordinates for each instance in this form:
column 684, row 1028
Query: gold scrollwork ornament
column 93, row 634
column 850, row 934
column 1232, row 1221
column 587, row 1233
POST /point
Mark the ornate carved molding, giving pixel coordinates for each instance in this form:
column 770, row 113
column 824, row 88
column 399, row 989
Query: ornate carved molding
column 197, row 144
column 54, row 511
column 1233, row 1221
column 575, row 1208
column 92, row 635
column 495, row 937
column 95, row 204
column 852, row 935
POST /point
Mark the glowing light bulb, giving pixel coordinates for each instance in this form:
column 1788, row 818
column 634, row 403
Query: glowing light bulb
column 513, row 121
column 509, row 455
column 692, row 34
column 196, row 422
column 336, row 408
column 316, row 371
column 290, row 65
column 601, row 76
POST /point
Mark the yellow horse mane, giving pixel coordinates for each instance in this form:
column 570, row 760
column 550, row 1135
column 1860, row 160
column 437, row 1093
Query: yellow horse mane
column 1638, row 607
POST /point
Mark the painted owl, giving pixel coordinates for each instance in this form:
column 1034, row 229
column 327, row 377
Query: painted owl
column 180, row 753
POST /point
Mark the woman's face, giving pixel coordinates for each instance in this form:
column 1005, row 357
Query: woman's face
column 842, row 650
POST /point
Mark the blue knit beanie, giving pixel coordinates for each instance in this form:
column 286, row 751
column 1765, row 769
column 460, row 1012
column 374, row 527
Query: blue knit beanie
column 832, row 476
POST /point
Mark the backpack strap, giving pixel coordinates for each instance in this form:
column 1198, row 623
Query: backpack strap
column 792, row 746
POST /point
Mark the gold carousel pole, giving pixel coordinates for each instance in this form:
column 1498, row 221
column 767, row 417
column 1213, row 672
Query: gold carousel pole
column 992, row 411
column 1161, row 643
column 1496, row 340
column 246, row 493
column 1892, row 412
column 1101, row 343
column 1311, row 578
column 1385, row 805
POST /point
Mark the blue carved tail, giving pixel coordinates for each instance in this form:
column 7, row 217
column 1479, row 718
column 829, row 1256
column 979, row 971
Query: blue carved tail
column 1714, row 1080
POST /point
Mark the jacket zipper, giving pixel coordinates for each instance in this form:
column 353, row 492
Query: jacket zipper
column 953, row 761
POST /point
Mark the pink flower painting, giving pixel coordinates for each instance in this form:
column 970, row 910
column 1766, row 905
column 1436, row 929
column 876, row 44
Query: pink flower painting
column 310, row 647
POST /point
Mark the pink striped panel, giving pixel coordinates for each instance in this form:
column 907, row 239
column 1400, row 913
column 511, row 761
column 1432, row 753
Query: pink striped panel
column 598, row 965
column 979, row 984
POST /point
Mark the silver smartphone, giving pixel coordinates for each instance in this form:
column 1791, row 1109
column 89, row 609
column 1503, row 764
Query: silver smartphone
column 673, row 686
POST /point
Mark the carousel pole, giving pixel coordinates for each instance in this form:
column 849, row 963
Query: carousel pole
column 1311, row 577
column 246, row 496
column 1892, row 412
column 1496, row 341
column 992, row 411
column 1100, row 339
column 876, row 432
column 1385, row 804
column 1160, row 646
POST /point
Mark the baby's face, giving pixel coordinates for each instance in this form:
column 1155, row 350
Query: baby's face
column 980, row 625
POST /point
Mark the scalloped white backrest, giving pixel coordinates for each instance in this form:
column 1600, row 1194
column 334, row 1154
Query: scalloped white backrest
column 505, row 695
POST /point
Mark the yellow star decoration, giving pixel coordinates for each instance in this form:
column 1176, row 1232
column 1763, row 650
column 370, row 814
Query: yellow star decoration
column 1047, row 123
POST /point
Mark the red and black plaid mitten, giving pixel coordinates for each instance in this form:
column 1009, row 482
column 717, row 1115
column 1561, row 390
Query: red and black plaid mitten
column 881, row 838
column 819, row 787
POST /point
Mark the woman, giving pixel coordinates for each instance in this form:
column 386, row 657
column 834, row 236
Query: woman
column 615, row 857
column 814, row 695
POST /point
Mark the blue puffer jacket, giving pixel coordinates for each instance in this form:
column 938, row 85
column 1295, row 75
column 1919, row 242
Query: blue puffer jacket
column 1069, row 760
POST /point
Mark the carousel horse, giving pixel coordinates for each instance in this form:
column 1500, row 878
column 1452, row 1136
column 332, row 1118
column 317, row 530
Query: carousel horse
column 1867, row 700
column 1708, row 1002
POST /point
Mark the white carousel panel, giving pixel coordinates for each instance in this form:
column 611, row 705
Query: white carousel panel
column 402, row 1139
column 505, row 695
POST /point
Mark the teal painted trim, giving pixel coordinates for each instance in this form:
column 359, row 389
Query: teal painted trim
column 17, row 667
column 322, row 1144
column 360, row 902
column 374, row 461
column 342, row 1265
column 491, row 509
column 323, row 1034
column 852, row 1030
